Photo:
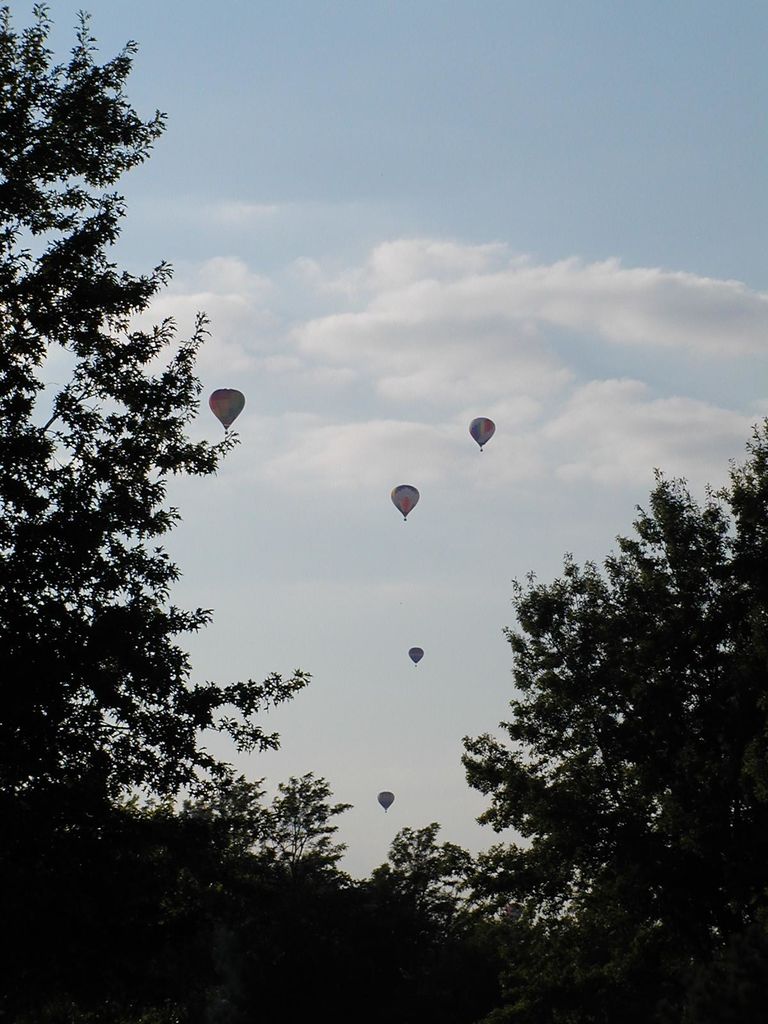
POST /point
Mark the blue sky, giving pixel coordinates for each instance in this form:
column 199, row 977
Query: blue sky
column 400, row 216
column 590, row 128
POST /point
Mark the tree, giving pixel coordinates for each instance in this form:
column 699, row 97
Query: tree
column 636, row 771
column 432, row 876
column 436, row 950
column 98, row 699
column 96, row 684
column 279, row 907
column 229, row 814
column 298, row 830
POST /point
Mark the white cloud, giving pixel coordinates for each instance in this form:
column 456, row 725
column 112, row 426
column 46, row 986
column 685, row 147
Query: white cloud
column 228, row 275
column 236, row 301
column 413, row 283
column 612, row 431
column 351, row 455
column 238, row 214
column 438, row 361
column 303, row 454
column 438, row 321
column 395, row 264
column 281, row 364
column 424, row 335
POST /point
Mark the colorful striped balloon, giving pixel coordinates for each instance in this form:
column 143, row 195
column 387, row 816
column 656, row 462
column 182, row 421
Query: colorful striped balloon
column 404, row 498
column 226, row 405
column 482, row 430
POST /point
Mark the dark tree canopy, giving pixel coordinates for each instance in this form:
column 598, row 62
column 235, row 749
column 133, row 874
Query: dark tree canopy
column 636, row 768
column 105, row 903
column 119, row 909
column 298, row 828
column 96, row 685
column 432, row 876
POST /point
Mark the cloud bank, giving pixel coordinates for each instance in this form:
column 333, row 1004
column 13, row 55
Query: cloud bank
column 387, row 361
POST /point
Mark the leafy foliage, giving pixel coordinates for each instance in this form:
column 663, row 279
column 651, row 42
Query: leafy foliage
column 444, row 963
column 432, row 876
column 298, row 828
column 636, row 767
column 94, row 417
column 96, row 684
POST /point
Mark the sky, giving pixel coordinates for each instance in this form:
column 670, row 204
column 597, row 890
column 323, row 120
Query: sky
column 399, row 216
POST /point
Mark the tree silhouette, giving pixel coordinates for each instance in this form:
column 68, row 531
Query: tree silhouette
column 98, row 699
column 636, row 770
column 96, row 684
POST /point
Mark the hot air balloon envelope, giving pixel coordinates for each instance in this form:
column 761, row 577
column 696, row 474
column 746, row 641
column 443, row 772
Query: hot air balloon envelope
column 512, row 911
column 226, row 405
column 482, row 430
column 415, row 654
column 386, row 799
column 404, row 497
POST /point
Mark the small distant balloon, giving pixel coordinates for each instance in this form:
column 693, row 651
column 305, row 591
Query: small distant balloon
column 482, row 430
column 404, row 498
column 226, row 405
column 386, row 799
column 415, row 654
column 512, row 911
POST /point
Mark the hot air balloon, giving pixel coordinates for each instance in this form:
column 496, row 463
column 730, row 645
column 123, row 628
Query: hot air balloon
column 512, row 911
column 415, row 654
column 404, row 497
column 482, row 430
column 386, row 799
column 226, row 405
